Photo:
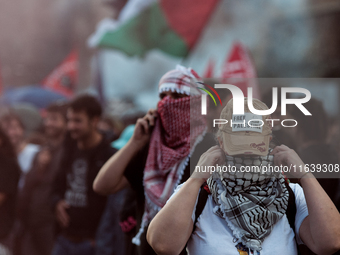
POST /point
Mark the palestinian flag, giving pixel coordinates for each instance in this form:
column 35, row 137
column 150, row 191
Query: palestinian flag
column 173, row 26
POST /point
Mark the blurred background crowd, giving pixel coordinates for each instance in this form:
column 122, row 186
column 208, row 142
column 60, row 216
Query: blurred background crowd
column 116, row 50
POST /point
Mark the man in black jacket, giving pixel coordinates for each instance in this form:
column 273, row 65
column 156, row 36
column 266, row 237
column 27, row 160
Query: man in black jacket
column 78, row 208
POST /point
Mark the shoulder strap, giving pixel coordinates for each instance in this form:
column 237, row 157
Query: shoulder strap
column 291, row 212
column 291, row 208
column 201, row 201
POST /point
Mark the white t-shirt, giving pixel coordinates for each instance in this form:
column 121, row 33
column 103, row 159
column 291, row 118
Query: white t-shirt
column 213, row 236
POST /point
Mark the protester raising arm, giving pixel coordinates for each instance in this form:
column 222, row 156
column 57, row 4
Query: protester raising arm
column 175, row 216
column 110, row 178
column 320, row 230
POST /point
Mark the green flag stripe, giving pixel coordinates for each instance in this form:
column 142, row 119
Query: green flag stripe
column 144, row 32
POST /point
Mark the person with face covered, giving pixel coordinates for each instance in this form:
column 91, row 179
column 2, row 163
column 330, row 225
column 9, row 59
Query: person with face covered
column 246, row 212
column 156, row 158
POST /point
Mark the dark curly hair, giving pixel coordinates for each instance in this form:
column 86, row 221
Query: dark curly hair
column 87, row 103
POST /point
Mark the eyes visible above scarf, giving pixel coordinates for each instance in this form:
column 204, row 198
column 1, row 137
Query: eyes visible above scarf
column 173, row 95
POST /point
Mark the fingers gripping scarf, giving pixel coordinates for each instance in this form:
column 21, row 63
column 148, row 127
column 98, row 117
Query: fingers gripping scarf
column 251, row 203
column 178, row 128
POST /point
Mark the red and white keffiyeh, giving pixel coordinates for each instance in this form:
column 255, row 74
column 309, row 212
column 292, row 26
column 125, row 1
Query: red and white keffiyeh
column 181, row 80
column 178, row 128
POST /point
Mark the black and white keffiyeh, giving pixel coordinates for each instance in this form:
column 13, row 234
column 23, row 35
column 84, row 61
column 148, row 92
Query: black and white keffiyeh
column 250, row 202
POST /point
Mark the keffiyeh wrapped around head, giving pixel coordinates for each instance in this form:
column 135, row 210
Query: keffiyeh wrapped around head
column 172, row 141
column 251, row 203
column 181, row 80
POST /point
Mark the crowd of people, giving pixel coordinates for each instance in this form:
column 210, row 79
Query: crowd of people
column 85, row 189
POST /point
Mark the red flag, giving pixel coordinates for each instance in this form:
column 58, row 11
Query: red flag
column 239, row 65
column 63, row 79
column 209, row 71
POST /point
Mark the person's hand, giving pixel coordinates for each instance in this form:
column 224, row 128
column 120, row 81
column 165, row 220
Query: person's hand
column 142, row 132
column 62, row 216
column 212, row 157
column 285, row 156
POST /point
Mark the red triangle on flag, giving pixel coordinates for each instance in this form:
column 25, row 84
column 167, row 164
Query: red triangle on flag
column 240, row 67
column 209, row 71
column 63, row 79
column 188, row 27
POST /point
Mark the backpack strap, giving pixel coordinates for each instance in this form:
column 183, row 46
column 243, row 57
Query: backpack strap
column 201, row 201
column 291, row 212
column 291, row 208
